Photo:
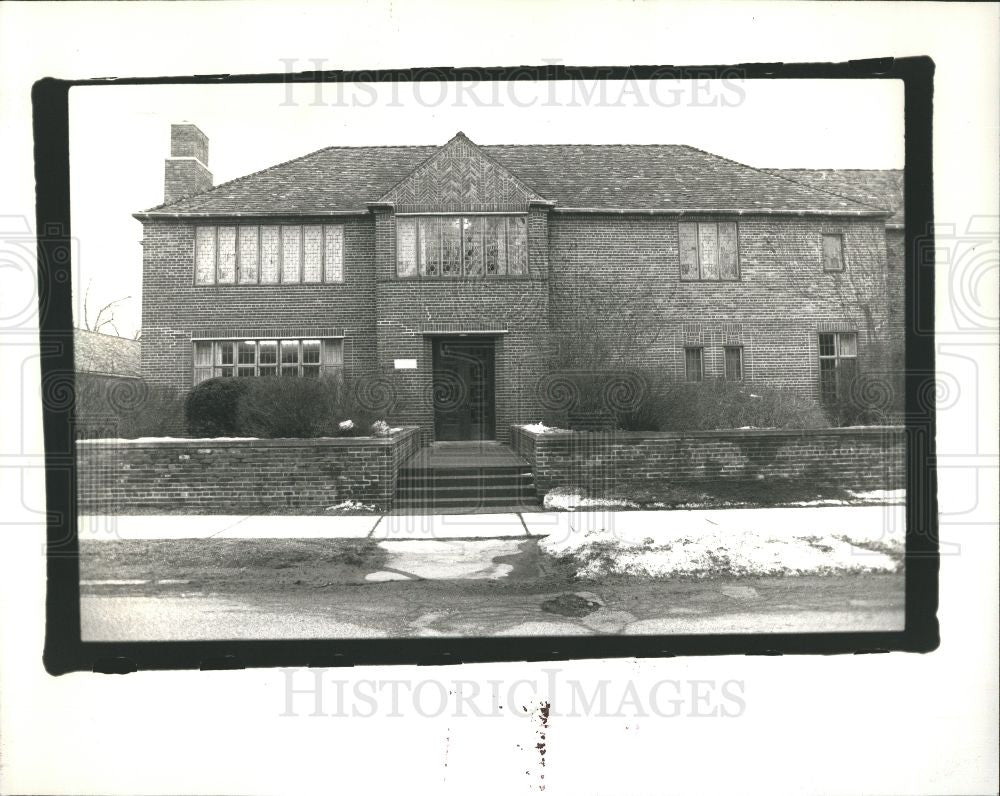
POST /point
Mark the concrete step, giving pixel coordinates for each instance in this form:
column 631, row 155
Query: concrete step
column 433, row 502
column 459, row 472
column 447, row 482
column 430, row 485
column 468, row 493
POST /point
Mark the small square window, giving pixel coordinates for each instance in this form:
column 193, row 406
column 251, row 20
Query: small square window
column 693, row 364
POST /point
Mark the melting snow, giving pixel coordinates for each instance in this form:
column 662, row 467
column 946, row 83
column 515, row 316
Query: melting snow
column 728, row 551
column 353, row 505
column 540, row 428
column 563, row 499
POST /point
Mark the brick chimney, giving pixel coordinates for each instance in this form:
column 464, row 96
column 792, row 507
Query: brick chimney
column 186, row 170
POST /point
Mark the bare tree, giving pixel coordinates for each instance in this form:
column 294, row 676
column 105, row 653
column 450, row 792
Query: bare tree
column 105, row 316
column 609, row 318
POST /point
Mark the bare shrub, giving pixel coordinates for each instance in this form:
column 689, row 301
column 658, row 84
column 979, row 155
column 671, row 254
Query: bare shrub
column 716, row 405
column 301, row 408
column 288, row 407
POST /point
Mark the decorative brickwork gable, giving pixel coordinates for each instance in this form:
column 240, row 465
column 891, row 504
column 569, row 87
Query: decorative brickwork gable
column 460, row 178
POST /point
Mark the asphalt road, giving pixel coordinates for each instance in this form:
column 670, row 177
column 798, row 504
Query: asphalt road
column 848, row 602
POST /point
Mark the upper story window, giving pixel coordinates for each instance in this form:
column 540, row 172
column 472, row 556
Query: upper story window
column 833, row 252
column 457, row 246
column 268, row 254
column 709, row 251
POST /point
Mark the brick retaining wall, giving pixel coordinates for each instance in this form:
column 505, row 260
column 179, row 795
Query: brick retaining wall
column 852, row 458
column 220, row 476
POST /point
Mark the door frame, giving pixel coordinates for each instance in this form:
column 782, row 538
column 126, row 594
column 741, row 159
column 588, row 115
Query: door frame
column 457, row 339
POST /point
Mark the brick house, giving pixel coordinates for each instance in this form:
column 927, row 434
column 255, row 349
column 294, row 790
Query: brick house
column 453, row 280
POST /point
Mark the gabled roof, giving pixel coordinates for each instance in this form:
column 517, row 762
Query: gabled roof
column 460, row 177
column 664, row 177
column 877, row 187
column 106, row 354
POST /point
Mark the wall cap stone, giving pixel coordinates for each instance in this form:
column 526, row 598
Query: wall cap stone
column 612, row 436
column 397, row 436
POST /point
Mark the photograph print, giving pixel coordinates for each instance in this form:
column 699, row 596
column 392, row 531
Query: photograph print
column 500, row 359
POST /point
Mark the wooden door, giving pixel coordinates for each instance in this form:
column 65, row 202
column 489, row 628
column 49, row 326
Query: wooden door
column 463, row 394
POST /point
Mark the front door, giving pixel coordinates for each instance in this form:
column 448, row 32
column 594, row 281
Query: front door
column 463, row 389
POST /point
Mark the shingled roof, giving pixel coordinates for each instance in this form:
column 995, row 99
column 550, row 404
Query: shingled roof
column 672, row 178
column 106, row 354
column 877, row 187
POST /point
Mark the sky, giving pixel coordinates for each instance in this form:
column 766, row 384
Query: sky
column 119, row 138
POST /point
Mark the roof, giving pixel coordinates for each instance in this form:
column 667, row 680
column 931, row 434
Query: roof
column 94, row 352
column 664, row 177
column 878, row 187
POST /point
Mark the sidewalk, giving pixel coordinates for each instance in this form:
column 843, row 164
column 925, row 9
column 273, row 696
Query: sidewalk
column 877, row 520
column 692, row 571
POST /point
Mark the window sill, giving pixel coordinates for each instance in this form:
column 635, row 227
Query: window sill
column 446, row 279
column 243, row 285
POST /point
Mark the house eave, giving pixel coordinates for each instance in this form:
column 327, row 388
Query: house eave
column 151, row 215
column 154, row 215
column 735, row 211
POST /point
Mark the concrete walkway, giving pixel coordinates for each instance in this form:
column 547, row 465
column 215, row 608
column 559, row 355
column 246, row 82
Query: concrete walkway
column 777, row 522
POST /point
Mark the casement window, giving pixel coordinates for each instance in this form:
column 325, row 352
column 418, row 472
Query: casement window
column 833, row 252
column 278, row 357
column 733, row 355
column 694, row 369
column 461, row 246
column 709, row 251
column 268, row 254
column 838, row 364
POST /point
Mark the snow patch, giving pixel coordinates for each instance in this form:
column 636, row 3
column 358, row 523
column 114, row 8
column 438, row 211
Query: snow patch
column 116, row 440
column 880, row 495
column 195, row 440
column 568, row 499
column 541, row 428
column 727, row 551
column 353, row 505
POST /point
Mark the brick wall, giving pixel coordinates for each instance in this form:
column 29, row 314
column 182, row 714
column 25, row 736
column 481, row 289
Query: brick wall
column 183, row 178
column 264, row 476
column 593, row 277
column 895, row 244
column 853, row 458
column 411, row 311
column 188, row 141
column 604, row 267
column 174, row 309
